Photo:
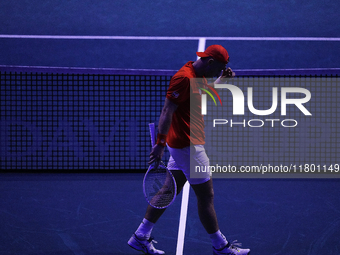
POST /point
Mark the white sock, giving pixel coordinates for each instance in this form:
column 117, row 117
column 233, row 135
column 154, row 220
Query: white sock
column 144, row 229
column 218, row 240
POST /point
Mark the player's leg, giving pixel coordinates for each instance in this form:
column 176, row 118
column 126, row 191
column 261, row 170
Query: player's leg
column 191, row 157
column 206, row 212
column 207, row 215
column 204, row 190
column 141, row 240
column 205, row 205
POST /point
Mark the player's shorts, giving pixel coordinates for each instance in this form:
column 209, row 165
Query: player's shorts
column 182, row 159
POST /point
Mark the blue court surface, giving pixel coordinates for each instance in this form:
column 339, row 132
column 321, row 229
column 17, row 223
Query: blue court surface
column 97, row 213
column 165, row 34
column 51, row 213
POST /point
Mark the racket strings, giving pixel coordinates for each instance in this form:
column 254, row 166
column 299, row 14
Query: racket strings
column 160, row 187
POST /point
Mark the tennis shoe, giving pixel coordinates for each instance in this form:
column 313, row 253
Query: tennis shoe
column 144, row 245
column 231, row 249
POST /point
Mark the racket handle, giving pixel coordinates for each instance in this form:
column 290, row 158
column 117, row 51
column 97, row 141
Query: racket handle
column 152, row 133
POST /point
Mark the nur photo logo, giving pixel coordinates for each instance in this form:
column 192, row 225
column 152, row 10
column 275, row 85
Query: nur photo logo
column 279, row 96
column 261, row 121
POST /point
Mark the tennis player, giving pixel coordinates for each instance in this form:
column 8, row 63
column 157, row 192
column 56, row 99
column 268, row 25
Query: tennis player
column 174, row 132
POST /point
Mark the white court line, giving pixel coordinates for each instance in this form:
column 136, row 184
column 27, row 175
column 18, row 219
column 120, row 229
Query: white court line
column 201, row 45
column 183, row 219
column 94, row 37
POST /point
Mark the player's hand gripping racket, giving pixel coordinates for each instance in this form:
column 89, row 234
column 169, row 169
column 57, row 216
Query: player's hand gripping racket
column 159, row 185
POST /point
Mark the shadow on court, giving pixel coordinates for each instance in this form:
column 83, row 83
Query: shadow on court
column 97, row 213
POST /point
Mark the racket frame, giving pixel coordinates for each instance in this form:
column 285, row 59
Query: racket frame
column 152, row 130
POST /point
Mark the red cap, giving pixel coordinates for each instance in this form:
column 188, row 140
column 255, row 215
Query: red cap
column 217, row 52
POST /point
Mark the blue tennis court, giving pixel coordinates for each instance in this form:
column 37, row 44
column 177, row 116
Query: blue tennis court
column 287, row 35
column 89, row 214
column 77, row 187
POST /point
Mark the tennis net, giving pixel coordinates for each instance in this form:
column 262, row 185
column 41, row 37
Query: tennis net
column 95, row 119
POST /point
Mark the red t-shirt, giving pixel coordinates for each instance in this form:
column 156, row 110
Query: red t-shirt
column 183, row 130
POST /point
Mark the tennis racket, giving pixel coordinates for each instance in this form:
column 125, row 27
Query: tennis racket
column 159, row 185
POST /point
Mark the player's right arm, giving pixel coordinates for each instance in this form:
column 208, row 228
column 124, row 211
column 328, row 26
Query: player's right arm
column 163, row 128
column 166, row 116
